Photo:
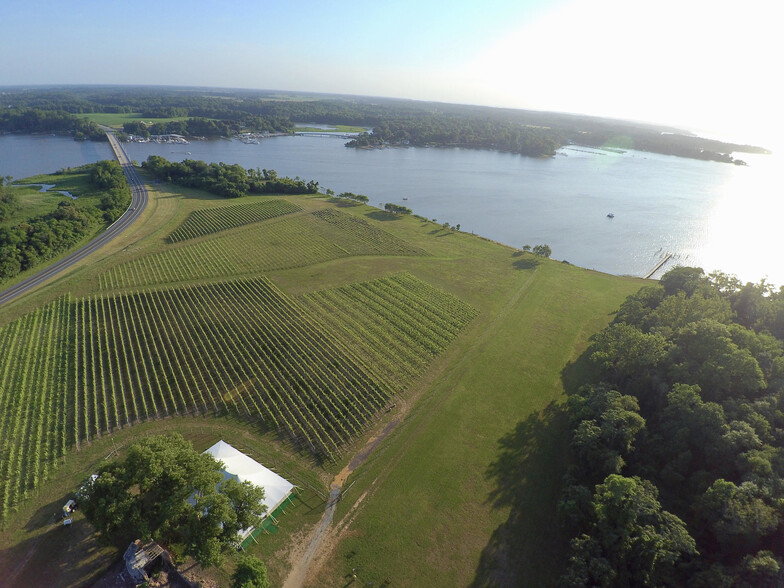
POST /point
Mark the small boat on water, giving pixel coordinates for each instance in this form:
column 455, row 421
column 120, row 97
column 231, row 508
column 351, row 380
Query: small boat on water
column 610, row 215
column 405, row 197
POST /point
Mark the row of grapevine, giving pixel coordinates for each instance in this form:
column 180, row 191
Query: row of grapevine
column 407, row 319
column 359, row 237
column 34, row 409
column 242, row 346
column 214, row 220
column 274, row 244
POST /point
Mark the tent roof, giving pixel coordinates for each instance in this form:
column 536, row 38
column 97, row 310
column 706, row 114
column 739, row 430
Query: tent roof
column 241, row 467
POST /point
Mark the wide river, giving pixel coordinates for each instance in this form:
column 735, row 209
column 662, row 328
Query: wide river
column 713, row 215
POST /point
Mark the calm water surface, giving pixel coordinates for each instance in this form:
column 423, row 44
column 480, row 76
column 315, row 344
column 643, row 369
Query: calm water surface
column 22, row 156
column 710, row 214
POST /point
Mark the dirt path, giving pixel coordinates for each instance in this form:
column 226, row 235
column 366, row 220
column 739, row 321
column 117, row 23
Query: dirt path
column 299, row 570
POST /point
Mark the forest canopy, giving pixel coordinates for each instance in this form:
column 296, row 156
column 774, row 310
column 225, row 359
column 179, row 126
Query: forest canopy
column 678, row 440
column 228, row 180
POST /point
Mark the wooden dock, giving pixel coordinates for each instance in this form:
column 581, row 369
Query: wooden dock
column 667, row 258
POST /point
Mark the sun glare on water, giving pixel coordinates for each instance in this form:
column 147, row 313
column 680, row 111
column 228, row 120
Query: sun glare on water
column 745, row 224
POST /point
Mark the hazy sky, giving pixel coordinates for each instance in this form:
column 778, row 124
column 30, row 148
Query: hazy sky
column 709, row 65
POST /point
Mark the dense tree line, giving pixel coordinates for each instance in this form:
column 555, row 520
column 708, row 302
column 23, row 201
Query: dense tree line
column 230, row 181
column 543, row 250
column 210, row 127
column 678, row 440
column 394, row 121
column 439, row 130
column 29, row 120
column 358, row 198
column 396, row 209
column 107, row 174
column 9, row 202
column 108, row 177
column 40, row 238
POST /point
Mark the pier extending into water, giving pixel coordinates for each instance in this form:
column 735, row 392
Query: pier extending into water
column 667, row 258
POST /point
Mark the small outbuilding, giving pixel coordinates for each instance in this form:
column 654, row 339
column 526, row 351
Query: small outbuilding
column 140, row 558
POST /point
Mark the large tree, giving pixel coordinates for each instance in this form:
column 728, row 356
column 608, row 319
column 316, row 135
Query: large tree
column 631, row 541
column 542, row 250
column 165, row 490
column 249, row 573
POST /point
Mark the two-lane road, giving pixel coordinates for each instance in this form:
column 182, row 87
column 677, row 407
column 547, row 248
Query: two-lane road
column 138, row 202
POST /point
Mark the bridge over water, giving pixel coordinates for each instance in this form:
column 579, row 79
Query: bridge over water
column 138, row 202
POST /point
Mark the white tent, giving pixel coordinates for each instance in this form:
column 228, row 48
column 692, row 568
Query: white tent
column 239, row 466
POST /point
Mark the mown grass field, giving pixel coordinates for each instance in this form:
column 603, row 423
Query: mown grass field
column 116, row 120
column 308, row 328
column 332, row 129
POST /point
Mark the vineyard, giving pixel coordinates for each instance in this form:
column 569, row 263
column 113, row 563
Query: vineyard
column 213, row 220
column 408, row 319
column 265, row 246
column 359, row 237
column 35, row 422
column 316, row 370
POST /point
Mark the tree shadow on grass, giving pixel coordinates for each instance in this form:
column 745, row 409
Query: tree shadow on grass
column 71, row 555
column 342, row 202
column 524, row 263
column 578, row 372
column 380, row 215
column 528, row 549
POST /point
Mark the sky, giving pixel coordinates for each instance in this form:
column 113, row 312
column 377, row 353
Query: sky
column 706, row 65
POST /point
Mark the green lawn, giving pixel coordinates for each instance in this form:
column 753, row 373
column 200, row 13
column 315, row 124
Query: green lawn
column 116, row 120
column 332, row 129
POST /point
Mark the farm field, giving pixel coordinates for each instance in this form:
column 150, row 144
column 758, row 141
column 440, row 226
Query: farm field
column 311, row 326
column 331, row 129
column 289, row 241
column 116, row 120
column 214, row 220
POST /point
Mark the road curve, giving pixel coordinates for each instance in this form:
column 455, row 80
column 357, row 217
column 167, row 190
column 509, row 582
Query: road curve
column 139, row 199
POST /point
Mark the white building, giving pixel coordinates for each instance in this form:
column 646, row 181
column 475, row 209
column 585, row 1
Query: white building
column 239, row 466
